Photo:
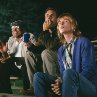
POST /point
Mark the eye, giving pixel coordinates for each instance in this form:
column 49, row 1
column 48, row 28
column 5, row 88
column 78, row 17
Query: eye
column 59, row 22
column 66, row 21
column 47, row 15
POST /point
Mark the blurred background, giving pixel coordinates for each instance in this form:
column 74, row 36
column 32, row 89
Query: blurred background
column 32, row 13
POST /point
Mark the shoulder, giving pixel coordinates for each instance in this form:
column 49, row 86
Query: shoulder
column 31, row 35
column 11, row 38
column 83, row 40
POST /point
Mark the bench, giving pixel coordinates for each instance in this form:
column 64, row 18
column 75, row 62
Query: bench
column 95, row 48
column 13, row 78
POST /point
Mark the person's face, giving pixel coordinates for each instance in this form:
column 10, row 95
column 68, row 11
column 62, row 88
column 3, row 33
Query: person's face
column 16, row 32
column 51, row 16
column 65, row 25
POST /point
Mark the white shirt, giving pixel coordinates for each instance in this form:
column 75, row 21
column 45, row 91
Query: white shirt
column 18, row 49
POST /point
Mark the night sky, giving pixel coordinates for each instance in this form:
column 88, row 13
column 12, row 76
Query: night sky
column 32, row 12
column 85, row 11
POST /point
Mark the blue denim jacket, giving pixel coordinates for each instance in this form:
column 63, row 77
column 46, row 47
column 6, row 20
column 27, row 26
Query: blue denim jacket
column 83, row 59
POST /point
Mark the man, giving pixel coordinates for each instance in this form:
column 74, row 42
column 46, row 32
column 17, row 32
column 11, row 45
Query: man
column 77, row 65
column 19, row 50
column 51, row 42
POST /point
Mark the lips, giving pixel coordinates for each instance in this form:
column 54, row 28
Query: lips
column 62, row 27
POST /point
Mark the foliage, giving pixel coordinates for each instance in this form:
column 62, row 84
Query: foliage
column 28, row 11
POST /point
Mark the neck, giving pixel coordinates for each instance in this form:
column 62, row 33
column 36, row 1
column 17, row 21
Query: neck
column 68, row 37
column 18, row 39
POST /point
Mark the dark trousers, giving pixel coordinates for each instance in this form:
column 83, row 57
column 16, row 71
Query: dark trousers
column 5, row 86
column 8, row 69
column 20, row 72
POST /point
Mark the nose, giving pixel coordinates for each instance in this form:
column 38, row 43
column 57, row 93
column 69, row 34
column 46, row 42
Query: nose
column 62, row 23
column 49, row 17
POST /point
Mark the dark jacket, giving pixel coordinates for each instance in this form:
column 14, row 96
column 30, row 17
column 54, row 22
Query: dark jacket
column 50, row 40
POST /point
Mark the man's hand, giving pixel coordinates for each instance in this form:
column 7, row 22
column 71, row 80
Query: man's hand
column 47, row 25
column 56, row 87
column 3, row 60
column 28, row 44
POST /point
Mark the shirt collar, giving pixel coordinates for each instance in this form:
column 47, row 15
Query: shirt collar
column 71, row 41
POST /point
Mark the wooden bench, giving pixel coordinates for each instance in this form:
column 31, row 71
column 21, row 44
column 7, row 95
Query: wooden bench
column 12, row 95
column 95, row 48
column 13, row 78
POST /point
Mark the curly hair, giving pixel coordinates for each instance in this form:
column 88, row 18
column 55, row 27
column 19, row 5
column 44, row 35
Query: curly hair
column 20, row 24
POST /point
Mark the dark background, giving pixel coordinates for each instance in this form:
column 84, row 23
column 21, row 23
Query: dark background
column 32, row 13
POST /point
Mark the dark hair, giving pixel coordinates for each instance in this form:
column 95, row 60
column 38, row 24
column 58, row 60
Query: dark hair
column 19, row 23
column 50, row 8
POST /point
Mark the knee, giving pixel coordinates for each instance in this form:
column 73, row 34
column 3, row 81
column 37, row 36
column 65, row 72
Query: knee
column 37, row 76
column 69, row 73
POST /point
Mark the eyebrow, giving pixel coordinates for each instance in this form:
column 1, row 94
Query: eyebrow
column 50, row 14
column 66, row 19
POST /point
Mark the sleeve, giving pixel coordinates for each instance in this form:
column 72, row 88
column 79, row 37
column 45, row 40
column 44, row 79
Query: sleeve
column 9, row 44
column 88, row 59
column 32, row 39
column 61, row 65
